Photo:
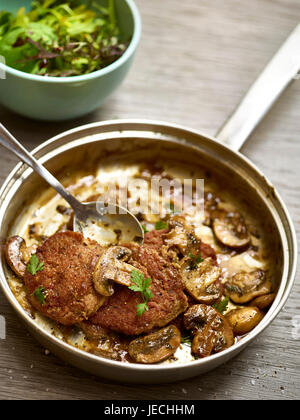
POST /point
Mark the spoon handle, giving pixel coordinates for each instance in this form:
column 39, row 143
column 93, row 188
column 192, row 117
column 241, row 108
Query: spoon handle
column 11, row 143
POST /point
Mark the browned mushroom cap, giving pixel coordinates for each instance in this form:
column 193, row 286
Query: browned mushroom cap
column 243, row 320
column 212, row 332
column 155, row 347
column 230, row 229
column 197, row 316
column 105, row 343
column 263, row 302
column 17, row 255
column 201, row 280
column 93, row 331
column 244, row 286
column 215, row 337
column 177, row 238
column 111, row 268
column 181, row 236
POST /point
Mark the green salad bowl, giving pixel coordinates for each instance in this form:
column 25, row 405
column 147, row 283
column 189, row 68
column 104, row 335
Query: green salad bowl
column 63, row 98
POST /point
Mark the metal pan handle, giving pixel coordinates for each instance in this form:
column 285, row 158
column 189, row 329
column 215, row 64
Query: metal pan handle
column 278, row 74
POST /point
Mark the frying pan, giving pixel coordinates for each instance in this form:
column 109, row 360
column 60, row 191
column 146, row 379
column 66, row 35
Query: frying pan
column 221, row 153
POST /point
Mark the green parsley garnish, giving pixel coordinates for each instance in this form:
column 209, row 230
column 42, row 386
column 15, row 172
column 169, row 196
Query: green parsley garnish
column 187, row 340
column 161, row 225
column 35, row 265
column 39, row 294
column 61, row 38
column 195, row 260
column 145, row 229
column 233, row 289
column 140, row 284
column 221, row 306
column 141, row 308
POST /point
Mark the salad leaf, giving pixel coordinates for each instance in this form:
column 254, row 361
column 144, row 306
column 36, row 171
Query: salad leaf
column 59, row 38
column 221, row 306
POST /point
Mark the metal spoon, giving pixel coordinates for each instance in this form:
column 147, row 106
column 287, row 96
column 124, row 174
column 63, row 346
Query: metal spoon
column 103, row 218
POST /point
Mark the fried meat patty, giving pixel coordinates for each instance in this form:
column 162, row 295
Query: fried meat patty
column 66, row 280
column 155, row 239
column 119, row 313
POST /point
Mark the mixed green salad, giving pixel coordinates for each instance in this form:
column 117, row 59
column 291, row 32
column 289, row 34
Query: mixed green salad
column 58, row 38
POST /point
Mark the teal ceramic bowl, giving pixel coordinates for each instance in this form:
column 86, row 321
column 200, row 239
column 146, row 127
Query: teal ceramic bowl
column 63, row 98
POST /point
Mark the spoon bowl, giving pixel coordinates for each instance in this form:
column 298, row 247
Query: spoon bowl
column 108, row 223
column 105, row 222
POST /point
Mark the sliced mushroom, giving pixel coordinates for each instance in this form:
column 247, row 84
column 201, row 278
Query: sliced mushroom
column 197, row 317
column 93, row 331
column 181, row 236
column 201, row 282
column 264, row 301
column 17, row 255
column 177, row 238
column 112, row 268
column 244, row 320
column 104, row 343
column 212, row 332
column 230, row 229
column 155, row 347
column 244, row 286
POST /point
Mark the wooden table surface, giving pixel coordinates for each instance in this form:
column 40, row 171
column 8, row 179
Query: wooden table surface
column 196, row 61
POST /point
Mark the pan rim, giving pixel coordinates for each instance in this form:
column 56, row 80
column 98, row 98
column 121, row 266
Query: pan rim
column 273, row 311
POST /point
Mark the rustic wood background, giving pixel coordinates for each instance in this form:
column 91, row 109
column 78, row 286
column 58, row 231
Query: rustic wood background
column 196, row 61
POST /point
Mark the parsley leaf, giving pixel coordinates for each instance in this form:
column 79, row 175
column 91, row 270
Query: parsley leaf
column 187, row 340
column 35, row 265
column 145, row 229
column 39, row 294
column 141, row 308
column 140, row 284
column 195, row 261
column 161, row 225
column 221, row 306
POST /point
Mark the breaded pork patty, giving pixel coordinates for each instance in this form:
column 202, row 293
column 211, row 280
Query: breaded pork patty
column 66, row 280
column 119, row 313
column 156, row 239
